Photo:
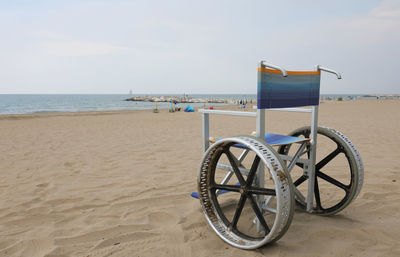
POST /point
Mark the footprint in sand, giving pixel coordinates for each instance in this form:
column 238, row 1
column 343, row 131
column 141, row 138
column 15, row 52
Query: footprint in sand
column 42, row 185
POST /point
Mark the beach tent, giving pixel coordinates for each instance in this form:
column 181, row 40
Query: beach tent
column 189, row 109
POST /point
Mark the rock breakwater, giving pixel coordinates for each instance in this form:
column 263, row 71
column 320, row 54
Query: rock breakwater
column 178, row 99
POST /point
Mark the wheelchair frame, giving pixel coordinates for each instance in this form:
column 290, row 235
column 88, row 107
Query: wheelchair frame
column 308, row 164
column 261, row 129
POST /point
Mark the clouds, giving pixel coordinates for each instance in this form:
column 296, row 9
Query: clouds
column 364, row 47
column 387, row 9
column 194, row 47
column 78, row 48
column 51, row 43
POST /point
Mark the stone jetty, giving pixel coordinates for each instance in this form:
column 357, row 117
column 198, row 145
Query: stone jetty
column 179, row 99
column 384, row 96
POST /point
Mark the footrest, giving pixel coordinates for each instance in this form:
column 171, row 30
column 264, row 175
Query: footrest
column 195, row 195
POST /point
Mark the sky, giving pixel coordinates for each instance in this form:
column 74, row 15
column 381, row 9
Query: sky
column 194, row 47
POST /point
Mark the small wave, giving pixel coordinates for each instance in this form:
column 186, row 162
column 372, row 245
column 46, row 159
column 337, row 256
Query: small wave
column 37, row 112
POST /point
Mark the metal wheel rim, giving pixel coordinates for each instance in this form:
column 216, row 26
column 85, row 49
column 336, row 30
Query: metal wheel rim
column 283, row 188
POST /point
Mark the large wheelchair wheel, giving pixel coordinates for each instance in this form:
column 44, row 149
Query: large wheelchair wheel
column 339, row 171
column 244, row 207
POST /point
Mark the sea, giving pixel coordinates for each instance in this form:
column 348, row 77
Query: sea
column 49, row 103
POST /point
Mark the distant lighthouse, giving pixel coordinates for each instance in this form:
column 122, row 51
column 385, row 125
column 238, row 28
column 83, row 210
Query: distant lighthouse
column 130, row 92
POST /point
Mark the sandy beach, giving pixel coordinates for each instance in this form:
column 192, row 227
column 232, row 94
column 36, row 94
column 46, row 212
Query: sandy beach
column 119, row 183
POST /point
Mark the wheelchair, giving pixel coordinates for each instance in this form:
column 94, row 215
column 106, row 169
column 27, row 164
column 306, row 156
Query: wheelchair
column 249, row 185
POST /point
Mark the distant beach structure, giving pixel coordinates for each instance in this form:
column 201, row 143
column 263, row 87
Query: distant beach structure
column 178, row 99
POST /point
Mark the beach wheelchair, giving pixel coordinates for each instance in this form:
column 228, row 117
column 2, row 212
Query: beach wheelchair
column 249, row 185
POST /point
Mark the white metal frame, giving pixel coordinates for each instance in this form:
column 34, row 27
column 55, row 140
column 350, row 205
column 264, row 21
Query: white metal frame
column 308, row 164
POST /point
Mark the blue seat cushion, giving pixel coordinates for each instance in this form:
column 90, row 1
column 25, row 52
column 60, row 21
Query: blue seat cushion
column 273, row 139
column 276, row 139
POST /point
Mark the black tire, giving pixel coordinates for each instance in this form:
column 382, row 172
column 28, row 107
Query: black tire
column 232, row 215
column 334, row 190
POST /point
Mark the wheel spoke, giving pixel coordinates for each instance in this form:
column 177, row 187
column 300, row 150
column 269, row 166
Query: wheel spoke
column 253, row 170
column 327, row 159
column 307, row 134
column 235, row 168
column 258, row 213
column 261, row 191
column 308, row 151
column 332, row 181
column 316, row 194
column 301, row 165
column 300, row 180
column 239, row 209
column 234, row 188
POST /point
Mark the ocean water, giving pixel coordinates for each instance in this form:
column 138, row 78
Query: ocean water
column 26, row 104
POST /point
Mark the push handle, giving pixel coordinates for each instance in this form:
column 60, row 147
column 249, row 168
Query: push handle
column 264, row 64
column 318, row 67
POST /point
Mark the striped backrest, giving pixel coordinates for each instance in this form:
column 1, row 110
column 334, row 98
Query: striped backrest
column 299, row 88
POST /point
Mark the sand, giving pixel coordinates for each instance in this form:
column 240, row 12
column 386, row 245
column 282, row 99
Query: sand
column 118, row 184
